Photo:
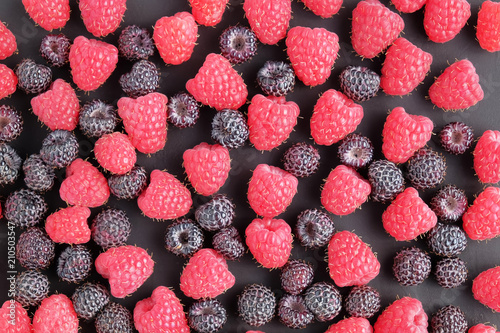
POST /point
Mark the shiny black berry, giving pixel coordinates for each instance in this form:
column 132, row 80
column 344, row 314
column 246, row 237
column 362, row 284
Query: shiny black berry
column 450, row 272
column 229, row 128
column 38, row 176
column 97, row 118
column 135, row 43
column 293, row 312
column 130, row 184
column 296, row 275
column 359, row 83
column 206, row 316
column 25, row 208
column 144, row 78
column 228, row 243
column 215, row 214
column 184, row 237
column 32, row 287
column 355, row 150
column 301, row 160
column 11, row 123
column 386, row 180
column 33, row 78
column 411, row 266
column 89, row 299
column 276, row 78
column 256, row 304
column 35, row 249
column 362, row 301
column 314, row 228
column 456, row 137
column 449, row 319
column 449, row 203
column 74, row 263
column 324, row 300
column 183, row 110
column 10, row 164
column 59, row 149
column 114, row 318
column 111, row 228
column 446, row 240
column 55, row 49
column 426, row 169
column 238, row 44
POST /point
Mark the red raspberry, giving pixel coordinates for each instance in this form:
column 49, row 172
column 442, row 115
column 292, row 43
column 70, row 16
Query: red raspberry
column 69, row 225
column 408, row 216
column 374, row 28
column 49, row 14
column 323, row 8
column 408, row 6
column 162, row 312
column 218, row 85
column 487, row 157
column 115, row 153
column 486, row 288
column 443, row 19
column 482, row 328
column 84, row 185
column 488, row 26
column 457, row 87
column 102, row 17
column 126, row 267
column 270, row 241
column 58, row 107
column 271, row 190
column 165, row 197
column 269, row 19
column 351, row 261
column 208, row 12
column 481, row 220
column 404, row 134
column 206, row 275
column 175, row 37
column 403, row 315
column 8, row 81
column 271, row 120
column 312, row 53
column 145, row 120
column 8, row 43
column 92, row 62
column 14, row 318
column 334, row 116
column 352, row 324
column 55, row 315
column 207, row 167
column 344, row 191
column 404, row 68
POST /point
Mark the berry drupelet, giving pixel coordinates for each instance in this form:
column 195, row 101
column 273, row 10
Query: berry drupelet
column 301, row 159
column 450, row 272
column 97, row 118
column 32, row 286
column 228, row 243
column 446, row 240
column 55, row 49
column 362, row 301
column 411, row 266
column 206, row 316
column 25, row 208
column 456, row 137
column 183, row 110
column 276, row 78
column 33, row 78
column 34, row 249
column 314, row 228
column 238, row 44
column 11, row 123
column 359, row 83
column 324, row 300
column 135, row 43
column 256, row 304
column 426, row 169
column 111, row 228
column 114, row 318
column 89, row 299
column 10, row 164
column 230, row 128
column 184, row 237
column 449, row 203
column 355, row 150
column 293, row 312
column 216, row 214
column 129, row 185
column 74, row 263
column 59, row 148
column 144, row 78
column 386, row 180
column 296, row 275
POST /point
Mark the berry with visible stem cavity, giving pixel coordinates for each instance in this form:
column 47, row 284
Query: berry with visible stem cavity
column 183, row 110
column 296, row 275
column 446, row 240
column 449, row 203
column 359, row 83
column 114, row 318
column 363, row 301
column 216, row 214
column 456, row 137
column 74, row 263
column 276, row 78
column 238, row 44
column 11, row 123
column 38, row 176
column 55, row 49
column 450, row 272
column 25, row 208
column 230, row 128
column 59, row 148
column 411, row 266
column 10, row 164
column 89, row 299
column 256, row 304
column 324, row 300
column 355, row 150
column 143, row 79
column 228, row 243
column 35, row 249
column 314, row 228
column 32, row 286
column 301, row 159
column 130, row 184
column 386, row 179
column 97, row 118
column 135, row 43
column 33, row 78
column 206, row 316
column 183, row 238
column 293, row 312
column 111, row 228
column 449, row 319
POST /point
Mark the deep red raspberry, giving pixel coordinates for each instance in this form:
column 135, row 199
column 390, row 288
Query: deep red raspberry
column 481, row 220
column 21, row 323
column 488, row 26
column 8, row 44
column 403, row 315
column 486, row 288
column 208, row 12
column 408, row 6
column 487, row 157
column 69, row 225
column 49, row 14
column 269, row 19
column 352, row 324
column 443, row 19
column 115, row 153
column 323, row 8
column 56, row 315
column 8, row 81
column 482, row 328
column 102, row 17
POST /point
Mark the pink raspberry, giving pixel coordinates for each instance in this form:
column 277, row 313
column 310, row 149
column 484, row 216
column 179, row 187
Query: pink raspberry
column 14, row 318
column 49, row 14
column 486, row 288
column 403, row 315
column 8, row 44
column 487, row 157
column 8, row 81
column 56, row 314
column 352, row 324
column 102, row 17
column 443, row 19
column 481, row 221
column 269, row 19
column 323, row 8
column 482, row 328
column 115, row 153
column 208, row 12
column 69, row 225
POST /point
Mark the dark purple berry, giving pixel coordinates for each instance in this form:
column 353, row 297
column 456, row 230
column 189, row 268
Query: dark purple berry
column 276, row 78
column 74, row 263
column 296, row 275
column 386, row 180
column 238, row 44
column 206, row 316
column 256, row 304
column 135, row 43
column 130, row 184
column 450, row 272
column 38, row 176
column 229, row 128
column 293, row 312
column 215, row 214
column 314, row 228
column 10, row 164
column 32, row 287
column 355, row 150
column 446, row 240
column 55, row 49
column 456, row 137
column 362, row 301
column 59, row 149
column 324, row 300
column 33, row 78
column 228, row 243
column 111, row 228
column 411, row 266
column 449, row 203
column 183, row 110
column 301, row 160
column 359, row 83
column 183, row 238
column 426, row 169
column 89, row 299
column 25, row 208
column 143, row 79
column 97, row 118
column 11, row 123
column 35, row 249
column 114, row 318
column 449, row 319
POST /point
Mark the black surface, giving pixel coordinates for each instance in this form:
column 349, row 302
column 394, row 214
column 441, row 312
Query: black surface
column 366, row 222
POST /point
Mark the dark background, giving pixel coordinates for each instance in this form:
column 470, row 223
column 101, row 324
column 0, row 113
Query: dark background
column 366, row 222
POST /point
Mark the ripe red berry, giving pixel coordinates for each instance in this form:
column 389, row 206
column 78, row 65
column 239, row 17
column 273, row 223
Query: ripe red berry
column 8, row 44
column 269, row 19
column 480, row 220
column 488, row 26
column 443, row 19
column 102, row 17
column 115, row 153
column 323, row 8
column 485, row 288
column 56, row 314
column 208, row 12
column 8, row 80
column 69, row 225
column 403, row 315
column 49, row 14
column 487, row 157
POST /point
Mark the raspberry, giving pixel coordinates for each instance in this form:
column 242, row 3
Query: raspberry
column 56, row 314
column 411, row 266
column 344, row 191
column 312, row 53
column 217, row 84
column 11, row 123
column 359, row 83
column 115, row 153
column 482, row 328
column 488, row 29
column 55, row 49
column 33, row 78
column 183, row 110
column 35, row 249
column 374, row 27
column 24, row 208
column 426, row 169
column 456, row 137
column 207, row 167
column 449, row 203
column 276, row 78
column 457, row 88
column 145, row 121
column 296, row 275
column 314, row 228
column 8, row 81
column 49, row 14
column 92, row 61
column 206, row 316
column 256, row 304
column 301, row 160
column 350, row 260
column 271, row 120
column 446, row 240
column 97, row 118
column 228, row 243
column 165, row 197
column 129, row 185
column 208, row 12
column 216, row 214
column 184, row 238
column 485, row 288
column 230, row 129
column 323, row 8
column 443, row 20
column 135, row 43
column 386, row 180
column 449, row 319
column 408, row 6
column 32, row 287
column 206, row 275
column 8, row 44
column 38, row 176
column 126, row 267
column 487, row 157
column 355, row 150
column 161, row 312
column 10, row 164
column 480, row 220
column 403, row 315
column 89, row 299
column 324, row 301
column 110, row 228
column 59, row 148
column 269, row 241
column 362, row 301
column 69, row 225
column 269, row 19
column 84, row 185
column 334, row 116
column 352, row 324
column 293, row 313
column 23, row 321
column 175, row 37
column 102, row 17
column 450, row 272
column 74, row 263
column 114, row 318
column 143, row 79
column 238, row 44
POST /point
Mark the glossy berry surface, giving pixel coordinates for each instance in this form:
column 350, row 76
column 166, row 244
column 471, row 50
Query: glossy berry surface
column 276, row 78
column 238, row 44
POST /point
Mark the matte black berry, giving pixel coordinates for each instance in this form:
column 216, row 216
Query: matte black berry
column 89, row 299
column 130, row 184
column 446, row 240
column 355, row 150
column 32, row 287
column 362, row 301
column 59, row 149
column 144, row 78
column 183, row 110
column 74, row 263
column 229, row 128
column 10, row 164
column 256, row 305
column 114, row 318
column 386, row 179
column 456, row 137
column 359, row 83
column 228, row 243
column 215, row 214
column 450, row 272
column 324, row 300
column 11, row 123
column 296, row 275
column 449, row 203
column 238, row 44
column 314, row 228
column 25, row 208
column 426, row 169
column 33, row 78
column 135, row 43
column 97, row 118
column 35, row 249
column 55, row 49
column 449, row 319
column 111, row 228
column 276, row 78
column 206, row 316
column 301, row 159
column 411, row 266
column 38, row 176
column 184, row 237
column 293, row 312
